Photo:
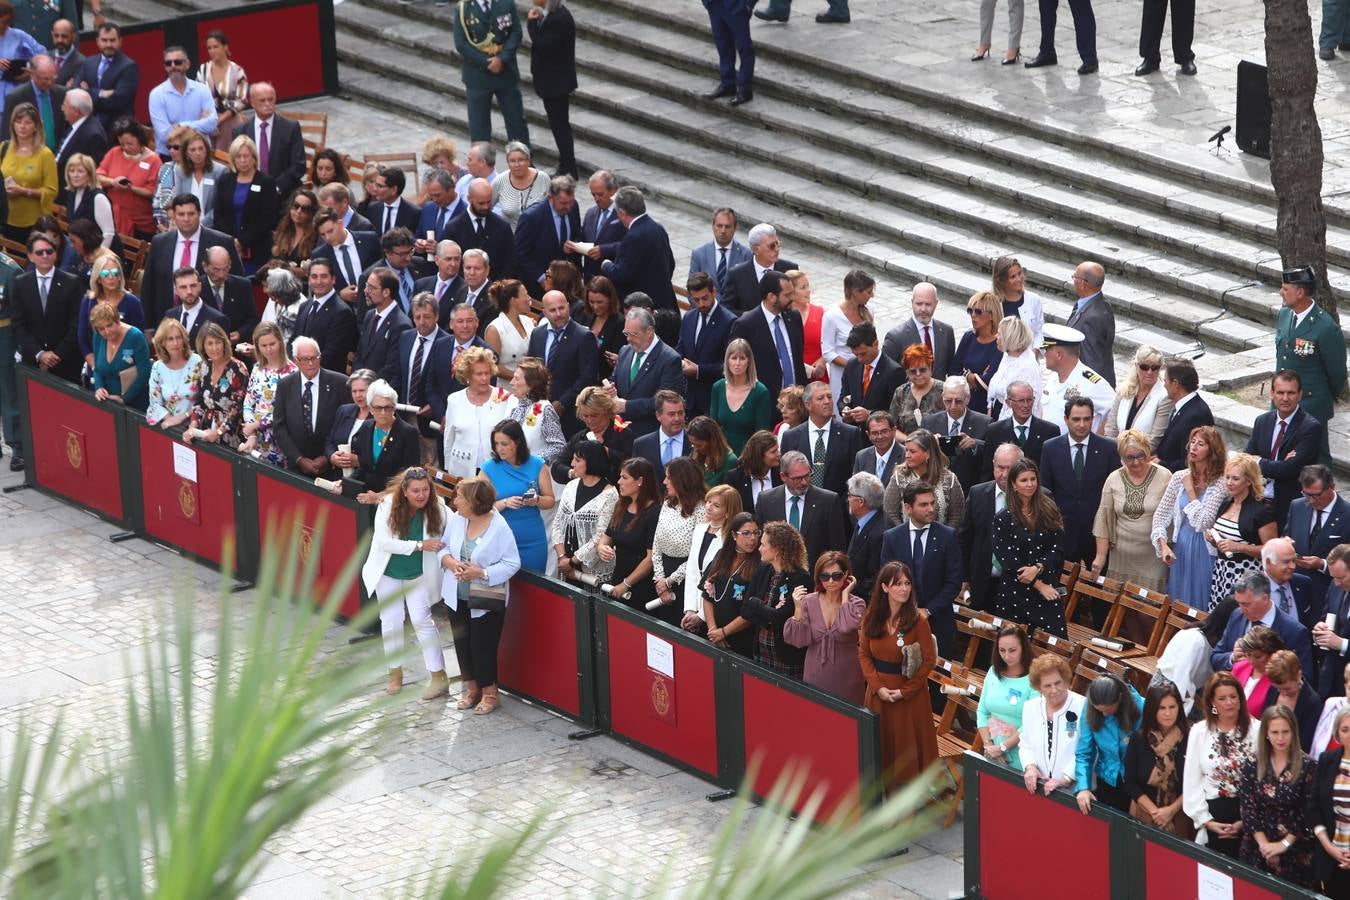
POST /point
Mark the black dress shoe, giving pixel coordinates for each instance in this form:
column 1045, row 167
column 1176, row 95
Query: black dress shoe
column 16, row 464
column 1343, row 46
column 1147, row 67
column 769, row 17
column 1040, row 61
column 1087, row 68
column 722, row 91
column 1188, row 67
column 743, row 98
column 1326, row 53
column 828, row 19
column 1014, row 60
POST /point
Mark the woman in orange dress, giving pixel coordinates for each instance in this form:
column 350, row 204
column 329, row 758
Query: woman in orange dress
column 896, row 650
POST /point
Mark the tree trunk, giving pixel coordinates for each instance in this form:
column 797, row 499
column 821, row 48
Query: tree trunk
column 1296, row 141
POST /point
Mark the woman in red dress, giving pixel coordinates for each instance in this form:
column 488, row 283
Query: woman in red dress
column 812, row 314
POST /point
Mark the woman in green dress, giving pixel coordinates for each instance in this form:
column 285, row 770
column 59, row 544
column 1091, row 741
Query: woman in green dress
column 710, row 449
column 740, row 403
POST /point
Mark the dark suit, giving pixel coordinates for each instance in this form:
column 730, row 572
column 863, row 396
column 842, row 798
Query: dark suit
column 887, row 376
column 285, row 150
column 1294, row 635
column 292, row 433
column 1330, row 674
column 742, row 288
column 407, row 289
column 754, row 327
column 553, row 69
column 976, row 538
column 823, row 524
column 1003, row 432
column 572, row 365
column 649, row 447
column 68, row 73
column 1298, row 525
column 89, row 139
column 436, row 376
column 660, row 369
column 938, row 578
column 343, row 421
column 431, row 214
column 407, row 215
column 864, row 552
column 498, row 241
column 866, row 461
column 1300, row 446
column 538, row 244
column 205, row 313
column 644, row 263
column 157, row 293
column 333, row 325
column 401, row 450
column 1308, row 606
column 357, row 222
column 122, row 76
column 455, row 291
column 1078, row 501
column 841, row 448
column 367, row 250
column 262, row 209
column 607, row 238
column 1097, row 321
column 1171, row 450
column 235, row 300
column 26, row 93
column 37, row 330
column 377, row 347
column 707, row 352
column 907, row 333
column 965, row 464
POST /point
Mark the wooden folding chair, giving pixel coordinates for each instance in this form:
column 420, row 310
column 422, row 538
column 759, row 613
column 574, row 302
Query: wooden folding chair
column 1068, row 576
column 1043, row 641
column 313, row 128
column 405, row 161
column 1091, row 665
column 952, row 742
column 1088, row 591
column 133, row 251
column 15, row 251
column 1179, row 615
column 1139, row 616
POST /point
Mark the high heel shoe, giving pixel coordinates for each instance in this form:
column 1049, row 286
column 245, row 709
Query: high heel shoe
column 980, row 55
column 1016, row 57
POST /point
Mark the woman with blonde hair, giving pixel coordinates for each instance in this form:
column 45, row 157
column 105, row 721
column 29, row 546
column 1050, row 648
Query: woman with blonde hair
column 106, row 285
column 720, row 506
column 1009, row 284
column 1245, row 522
column 274, row 363
column 595, row 409
column 175, row 376
column 977, row 356
column 471, row 414
column 1141, row 400
column 1019, row 364
column 791, row 408
column 924, row 461
column 28, row 168
column 85, row 200
column 740, row 402
column 1186, row 511
column 121, row 367
column 1130, row 499
column 247, row 206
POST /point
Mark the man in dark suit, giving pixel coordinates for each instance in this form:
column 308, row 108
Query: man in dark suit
column 1284, row 439
column 883, row 452
column 67, row 56
column 774, row 331
column 281, row 146
column 464, row 333
column 396, row 250
column 229, row 294
column 601, row 227
column 1074, row 467
column 447, row 285
column 543, row 230
column 865, row 496
column 306, row 404
column 83, row 134
column 326, row 319
column 923, row 328
column 1332, row 642
column 571, row 354
column 479, row 228
column 183, row 244
column 477, row 268
column 705, row 332
column 350, row 252
column 191, row 312
column 1021, row 428
column 644, row 262
column 442, row 205
column 1093, row 316
column 669, row 440
column 388, row 210
column 1254, row 607
column 870, row 379
column 831, row 445
column 335, row 198
column 964, row 428
column 1290, row 589
column 931, row 552
column 424, row 376
column 111, row 78
column 645, row 366
column 46, row 305
column 976, row 534
column 377, row 347
column 43, row 92
column 1189, row 411
column 1316, row 523
column 743, row 281
column 723, row 252
column 815, row 512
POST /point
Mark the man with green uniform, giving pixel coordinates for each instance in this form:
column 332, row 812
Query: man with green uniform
column 1308, row 341
column 487, row 35
column 9, row 386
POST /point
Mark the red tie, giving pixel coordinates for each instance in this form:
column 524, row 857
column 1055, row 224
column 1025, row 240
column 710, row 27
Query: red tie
column 1279, row 439
column 927, row 339
column 186, row 261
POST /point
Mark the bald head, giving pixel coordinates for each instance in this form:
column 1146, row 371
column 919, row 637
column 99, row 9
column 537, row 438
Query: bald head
column 44, row 71
column 1088, row 278
column 63, row 35
column 923, row 300
column 480, row 196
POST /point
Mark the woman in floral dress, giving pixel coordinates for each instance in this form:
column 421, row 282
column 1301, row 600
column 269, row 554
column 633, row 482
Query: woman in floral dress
column 273, row 363
column 1276, row 787
column 175, row 376
column 217, row 416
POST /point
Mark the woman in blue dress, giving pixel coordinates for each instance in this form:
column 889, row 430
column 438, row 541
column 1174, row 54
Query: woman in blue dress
column 523, row 489
column 978, row 357
column 1187, row 510
column 121, row 360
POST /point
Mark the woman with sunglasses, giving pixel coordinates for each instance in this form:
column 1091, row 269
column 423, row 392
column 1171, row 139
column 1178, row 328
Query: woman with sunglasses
column 106, row 286
column 725, row 583
column 825, row 623
column 978, row 355
column 166, row 186
column 293, row 241
column 1141, row 400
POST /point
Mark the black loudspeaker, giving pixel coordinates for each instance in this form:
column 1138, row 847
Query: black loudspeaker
column 1253, row 110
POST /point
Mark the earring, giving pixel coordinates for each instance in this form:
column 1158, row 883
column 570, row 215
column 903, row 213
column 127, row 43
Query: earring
column 1213, row 710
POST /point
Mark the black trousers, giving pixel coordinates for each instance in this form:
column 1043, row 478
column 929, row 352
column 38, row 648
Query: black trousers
column 560, row 122
column 1183, row 30
column 476, row 642
column 1084, row 28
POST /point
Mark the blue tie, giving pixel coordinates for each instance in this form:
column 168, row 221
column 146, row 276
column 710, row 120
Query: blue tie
column 669, row 452
column 102, row 67
column 784, row 357
column 918, row 558
column 555, row 337
column 405, row 290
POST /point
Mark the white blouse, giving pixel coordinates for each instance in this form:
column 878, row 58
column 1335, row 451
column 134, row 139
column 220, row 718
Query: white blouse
column 467, row 431
column 834, row 329
column 514, row 345
column 496, row 552
column 1207, row 772
column 674, row 532
column 1025, row 367
column 1057, row 758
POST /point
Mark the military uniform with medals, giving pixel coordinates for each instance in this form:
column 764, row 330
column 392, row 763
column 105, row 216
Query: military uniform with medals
column 9, row 385
column 1315, row 349
column 485, row 29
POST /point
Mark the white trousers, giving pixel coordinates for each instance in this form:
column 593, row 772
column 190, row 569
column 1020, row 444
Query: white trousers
column 413, row 596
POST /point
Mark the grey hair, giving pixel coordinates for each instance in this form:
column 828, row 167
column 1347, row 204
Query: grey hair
column 369, row 376
column 759, row 232
column 478, row 254
column 562, row 184
column 484, row 151
column 956, row 383
column 1021, row 454
column 281, row 283
column 441, row 177
column 461, row 306
column 813, row 387
column 790, row 459
column 1254, row 583
column 381, row 389
column 518, row 147
column 1269, row 549
column 1021, row 384
column 630, row 201
column 304, row 341
column 643, row 316
column 606, row 178
column 446, row 245
column 867, row 488
column 80, row 101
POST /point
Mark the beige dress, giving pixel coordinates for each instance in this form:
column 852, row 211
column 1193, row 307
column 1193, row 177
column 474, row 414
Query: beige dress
column 1125, row 519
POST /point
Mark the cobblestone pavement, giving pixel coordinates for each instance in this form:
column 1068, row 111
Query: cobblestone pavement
column 73, row 634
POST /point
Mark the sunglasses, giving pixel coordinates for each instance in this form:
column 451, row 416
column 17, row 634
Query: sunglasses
column 175, row 146
column 975, row 311
column 303, row 207
column 831, row 576
column 1149, row 367
column 174, row 63
column 46, row 251
column 413, row 474
column 108, row 273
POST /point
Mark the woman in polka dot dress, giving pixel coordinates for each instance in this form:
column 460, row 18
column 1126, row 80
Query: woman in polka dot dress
column 1026, row 542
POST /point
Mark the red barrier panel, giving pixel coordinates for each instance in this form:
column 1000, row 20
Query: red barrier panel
column 1014, row 830
column 1173, row 876
column 264, row 43
column 784, row 730
column 328, row 533
column 538, row 655
column 196, row 516
column 73, row 449
column 642, row 708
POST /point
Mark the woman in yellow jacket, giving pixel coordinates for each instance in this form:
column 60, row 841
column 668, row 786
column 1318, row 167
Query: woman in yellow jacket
column 29, row 170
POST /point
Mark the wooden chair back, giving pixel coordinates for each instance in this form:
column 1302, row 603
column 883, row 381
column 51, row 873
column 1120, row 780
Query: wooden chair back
column 313, row 128
column 1091, row 665
column 1147, row 607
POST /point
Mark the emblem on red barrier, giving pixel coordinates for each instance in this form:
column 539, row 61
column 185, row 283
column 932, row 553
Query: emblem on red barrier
column 75, row 450
column 188, row 507
column 662, row 696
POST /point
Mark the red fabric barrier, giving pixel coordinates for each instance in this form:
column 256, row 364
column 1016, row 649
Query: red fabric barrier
column 1015, row 838
column 538, row 654
column 74, row 450
column 325, row 528
column 786, row 731
column 684, row 726
column 278, row 45
column 147, row 48
column 1171, row 876
column 193, row 516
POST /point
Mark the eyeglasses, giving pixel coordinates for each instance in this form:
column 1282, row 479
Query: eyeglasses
column 303, row 207
column 1133, row 457
column 175, row 146
column 46, row 251
column 1149, row 367
column 174, row 63
column 831, row 576
column 306, row 359
column 918, row 371
column 383, row 407
column 108, row 273
column 1313, row 495
column 750, row 532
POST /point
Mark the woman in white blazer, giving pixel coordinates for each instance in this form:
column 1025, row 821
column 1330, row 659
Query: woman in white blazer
column 479, row 547
column 1050, row 753
column 401, row 571
column 1141, row 400
column 1019, row 364
column 719, row 508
